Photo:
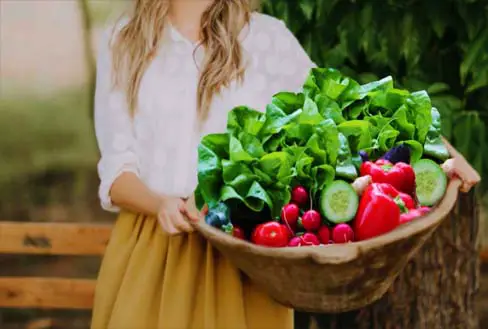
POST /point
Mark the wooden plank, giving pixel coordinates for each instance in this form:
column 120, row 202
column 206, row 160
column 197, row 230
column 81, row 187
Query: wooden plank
column 53, row 238
column 46, row 293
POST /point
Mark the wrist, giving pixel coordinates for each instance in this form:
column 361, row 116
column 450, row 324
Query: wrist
column 159, row 203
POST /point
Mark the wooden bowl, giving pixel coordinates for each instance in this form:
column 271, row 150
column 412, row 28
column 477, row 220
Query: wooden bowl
column 332, row 278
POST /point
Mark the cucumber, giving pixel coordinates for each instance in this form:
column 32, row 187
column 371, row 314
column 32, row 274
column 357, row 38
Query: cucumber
column 430, row 181
column 339, row 202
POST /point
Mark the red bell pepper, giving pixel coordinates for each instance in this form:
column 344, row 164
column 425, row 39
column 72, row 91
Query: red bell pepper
column 399, row 175
column 403, row 200
column 412, row 214
column 378, row 213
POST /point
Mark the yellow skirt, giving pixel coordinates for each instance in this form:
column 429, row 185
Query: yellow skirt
column 149, row 280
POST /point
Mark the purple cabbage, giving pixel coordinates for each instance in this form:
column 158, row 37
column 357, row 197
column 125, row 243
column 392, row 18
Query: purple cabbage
column 400, row 153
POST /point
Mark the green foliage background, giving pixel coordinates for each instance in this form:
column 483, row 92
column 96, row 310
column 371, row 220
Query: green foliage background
column 439, row 46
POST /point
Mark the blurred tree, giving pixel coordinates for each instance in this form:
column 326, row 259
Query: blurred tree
column 88, row 47
column 439, row 47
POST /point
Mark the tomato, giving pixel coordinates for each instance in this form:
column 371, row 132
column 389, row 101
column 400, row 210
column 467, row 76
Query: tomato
column 271, row 234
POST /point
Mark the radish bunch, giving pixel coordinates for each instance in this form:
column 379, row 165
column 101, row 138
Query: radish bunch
column 306, row 225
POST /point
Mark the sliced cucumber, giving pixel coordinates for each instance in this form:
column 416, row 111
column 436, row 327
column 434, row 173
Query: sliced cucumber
column 339, row 202
column 430, row 181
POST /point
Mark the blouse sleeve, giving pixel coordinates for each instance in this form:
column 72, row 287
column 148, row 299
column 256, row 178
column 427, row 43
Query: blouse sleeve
column 295, row 62
column 113, row 127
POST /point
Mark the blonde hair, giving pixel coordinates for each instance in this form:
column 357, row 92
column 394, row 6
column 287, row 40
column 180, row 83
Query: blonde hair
column 138, row 41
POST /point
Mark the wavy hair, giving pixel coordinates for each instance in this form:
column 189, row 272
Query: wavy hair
column 138, row 41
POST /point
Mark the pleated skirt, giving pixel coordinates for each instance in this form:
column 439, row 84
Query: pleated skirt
column 150, row 280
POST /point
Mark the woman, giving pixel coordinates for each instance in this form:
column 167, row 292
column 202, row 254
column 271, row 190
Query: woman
column 167, row 75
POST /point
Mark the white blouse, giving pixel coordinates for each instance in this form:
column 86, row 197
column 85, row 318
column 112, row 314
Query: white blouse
column 159, row 144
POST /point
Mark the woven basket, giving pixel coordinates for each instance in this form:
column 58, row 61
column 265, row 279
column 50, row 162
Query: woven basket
column 332, row 278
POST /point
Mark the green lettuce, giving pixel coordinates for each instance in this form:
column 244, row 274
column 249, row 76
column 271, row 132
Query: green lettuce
column 312, row 137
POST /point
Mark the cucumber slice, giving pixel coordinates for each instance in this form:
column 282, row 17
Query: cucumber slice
column 430, row 181
column 339, row 202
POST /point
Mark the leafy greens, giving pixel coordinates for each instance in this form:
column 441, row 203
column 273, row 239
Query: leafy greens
column 311, row 138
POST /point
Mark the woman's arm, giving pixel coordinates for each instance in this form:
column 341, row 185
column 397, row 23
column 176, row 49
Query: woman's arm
column 129, row 192
column 118, row 168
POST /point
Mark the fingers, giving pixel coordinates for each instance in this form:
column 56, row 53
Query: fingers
column 468, row 183
column 180, row 223
column 174, row 223
column 448, row 167
column 460, row 168
column 191, row 211
column 176, row 215
column 204, row 210
column 166, row 224
column 465, row 188
column 190, row 215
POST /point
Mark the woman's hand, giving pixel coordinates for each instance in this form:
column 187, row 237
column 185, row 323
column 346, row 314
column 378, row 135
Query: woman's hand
column 459, row 167
column 190, row 210
column 172, row 216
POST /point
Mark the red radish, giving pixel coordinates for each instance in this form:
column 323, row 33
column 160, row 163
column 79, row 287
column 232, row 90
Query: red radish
column 324, row 234
column 299, row 195
column 289, row 214
column 342, row 233
column 311, row 220
column 295, row 242
column 271, row 234
column 238, row 233
column 424, row 210
column 310, row 239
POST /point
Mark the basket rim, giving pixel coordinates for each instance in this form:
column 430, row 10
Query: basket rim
column 340, row 253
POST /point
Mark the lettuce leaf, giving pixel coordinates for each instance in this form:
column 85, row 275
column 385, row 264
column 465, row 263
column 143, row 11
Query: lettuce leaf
column 434, row 146
column 345, row 167
column 310, row 138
